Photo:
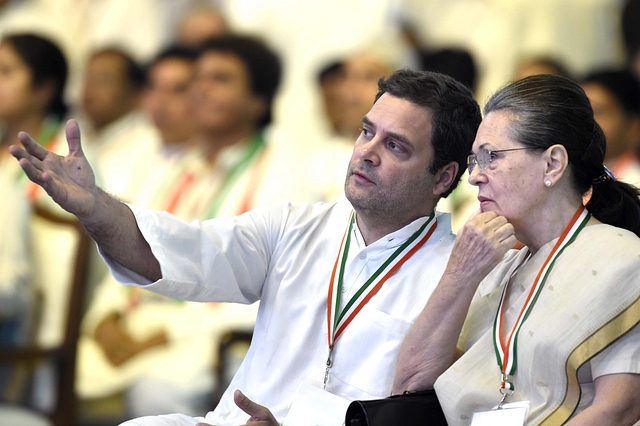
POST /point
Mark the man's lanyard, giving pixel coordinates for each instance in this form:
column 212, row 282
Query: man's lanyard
column 338, row 319
column 253, row 148
column 506, row 351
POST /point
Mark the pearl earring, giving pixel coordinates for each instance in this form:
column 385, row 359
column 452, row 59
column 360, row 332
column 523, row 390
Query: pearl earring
column 547, row 183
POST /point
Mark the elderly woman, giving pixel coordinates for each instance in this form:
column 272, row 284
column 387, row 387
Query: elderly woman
column 549, row 331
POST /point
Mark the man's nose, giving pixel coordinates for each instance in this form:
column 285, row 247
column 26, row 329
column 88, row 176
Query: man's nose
column 370, row 152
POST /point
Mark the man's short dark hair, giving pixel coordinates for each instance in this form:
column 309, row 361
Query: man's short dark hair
column 456, row 114
column 175, row 51
column 134, row 72
column 172, row 52
column 263, row 65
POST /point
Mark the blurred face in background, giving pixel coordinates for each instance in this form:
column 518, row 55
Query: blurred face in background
column 358, row 91
column 201, row 25
column 221, row 97
column 166, row 98
column 107, row 93
column 620, row 128
column 18, row 96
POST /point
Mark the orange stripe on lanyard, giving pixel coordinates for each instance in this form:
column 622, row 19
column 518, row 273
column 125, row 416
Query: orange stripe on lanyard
column 507, row 364
column 382, row 281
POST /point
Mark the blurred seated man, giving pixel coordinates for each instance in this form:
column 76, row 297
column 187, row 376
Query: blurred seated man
column 165, row 100
column 329, row 81
column 134, row 341
column 118, row 132
column 361, row 72
column 234, row 86
column 347, row 87
column 615, row 99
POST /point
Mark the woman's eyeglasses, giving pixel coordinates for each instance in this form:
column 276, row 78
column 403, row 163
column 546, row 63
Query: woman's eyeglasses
column 484, row 157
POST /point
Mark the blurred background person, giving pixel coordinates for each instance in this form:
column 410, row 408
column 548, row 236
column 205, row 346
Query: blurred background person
column 329, row 79
column 120, row 134
column 615, row 99
column 200, row 23
column 455, row 62
column 536, row 65
column 235, row 82
column 83, row 26
column 33, row 76
column 347, row 86
column 361, row 71
column 631, row 34
column 153, row 352
column 33, row 73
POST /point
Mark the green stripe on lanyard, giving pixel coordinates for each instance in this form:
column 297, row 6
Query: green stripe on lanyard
column 506, row 354
column 253, row 148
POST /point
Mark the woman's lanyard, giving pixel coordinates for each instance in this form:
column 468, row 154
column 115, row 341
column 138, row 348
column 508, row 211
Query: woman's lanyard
column 253, row 148
column 338, row 319
column 506, row 351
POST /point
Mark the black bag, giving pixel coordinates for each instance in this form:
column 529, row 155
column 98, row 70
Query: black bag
column 420, row 408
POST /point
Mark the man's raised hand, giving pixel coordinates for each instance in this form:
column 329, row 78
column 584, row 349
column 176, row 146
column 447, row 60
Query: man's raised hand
column 69, row 180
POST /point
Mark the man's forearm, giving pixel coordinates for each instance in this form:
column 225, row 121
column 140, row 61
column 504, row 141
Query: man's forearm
column 114, row 228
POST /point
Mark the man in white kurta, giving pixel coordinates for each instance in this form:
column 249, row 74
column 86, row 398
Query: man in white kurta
column 322, row 337
column 284, row 257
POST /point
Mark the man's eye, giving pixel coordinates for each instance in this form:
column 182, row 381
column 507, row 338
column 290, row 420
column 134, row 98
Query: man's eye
column 396, row 146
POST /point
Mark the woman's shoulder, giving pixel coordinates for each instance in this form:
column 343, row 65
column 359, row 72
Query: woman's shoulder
column 607, row 247
column 603, row 235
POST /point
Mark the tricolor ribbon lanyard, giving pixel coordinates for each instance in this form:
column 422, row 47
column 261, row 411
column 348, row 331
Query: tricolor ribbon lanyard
column 506, row 351
column 338, row 319
column 252, row 150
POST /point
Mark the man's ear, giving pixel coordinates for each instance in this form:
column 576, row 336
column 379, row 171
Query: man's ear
column 556, row 161
column 445, row 177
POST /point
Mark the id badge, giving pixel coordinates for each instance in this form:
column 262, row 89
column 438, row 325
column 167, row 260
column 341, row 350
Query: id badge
column 313, row 406
column 512, row 414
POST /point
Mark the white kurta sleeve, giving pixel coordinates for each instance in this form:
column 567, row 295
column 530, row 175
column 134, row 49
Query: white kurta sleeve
column 218, row 260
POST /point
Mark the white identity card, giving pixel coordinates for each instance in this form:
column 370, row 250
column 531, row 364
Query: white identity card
column 313, row 406
column 513, row 414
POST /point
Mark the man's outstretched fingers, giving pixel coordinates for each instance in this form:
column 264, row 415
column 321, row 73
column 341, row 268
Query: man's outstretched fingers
column 31, row 171
column 32, row 147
